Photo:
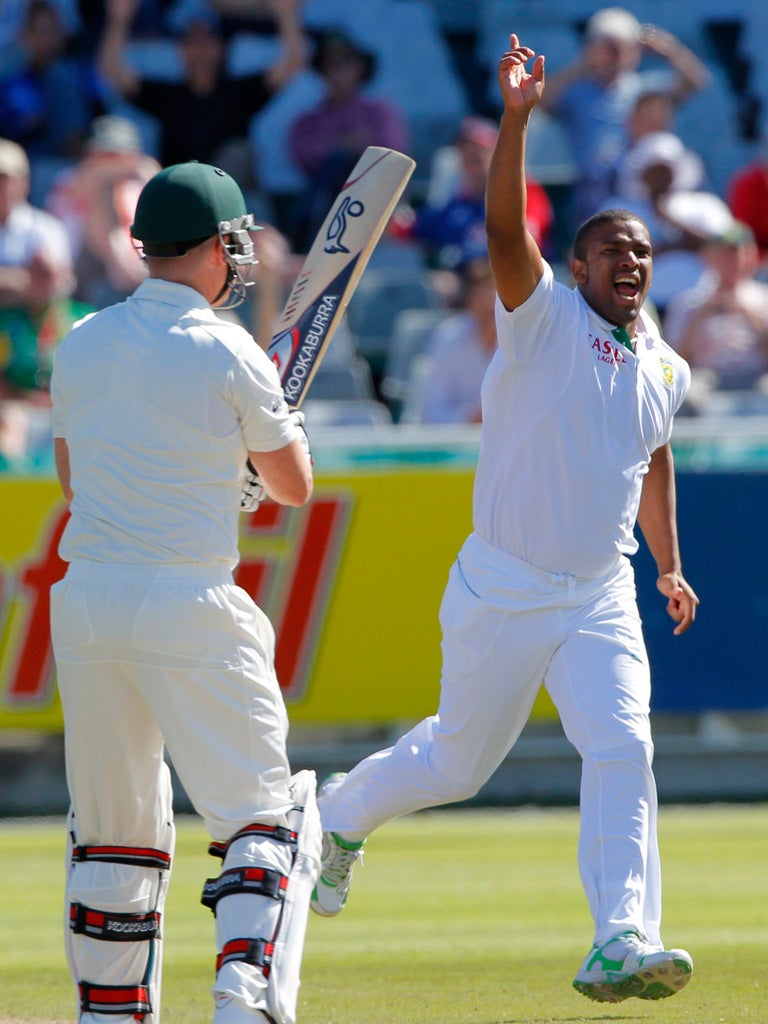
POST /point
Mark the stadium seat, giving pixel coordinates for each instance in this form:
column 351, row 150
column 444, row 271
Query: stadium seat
column 361, row 20
column 707, row 122
column 410, row 335
column 349, row 382
column 394, row 254
column 457, row 15
column 548, row 156
column 250, row 53
column 381, row 294
column 554, row 35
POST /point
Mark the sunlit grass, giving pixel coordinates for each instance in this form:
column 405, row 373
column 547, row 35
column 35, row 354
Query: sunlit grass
column 456, row 917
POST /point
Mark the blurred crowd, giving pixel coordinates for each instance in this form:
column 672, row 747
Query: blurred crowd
column 96, row 97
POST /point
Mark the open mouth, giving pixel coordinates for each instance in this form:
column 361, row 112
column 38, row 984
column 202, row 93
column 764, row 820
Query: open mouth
column 627, row 288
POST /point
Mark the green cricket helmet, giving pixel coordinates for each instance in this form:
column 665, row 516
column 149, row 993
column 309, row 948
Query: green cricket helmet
column 184, row 205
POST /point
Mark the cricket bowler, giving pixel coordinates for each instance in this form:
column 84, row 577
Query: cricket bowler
column 577, row 411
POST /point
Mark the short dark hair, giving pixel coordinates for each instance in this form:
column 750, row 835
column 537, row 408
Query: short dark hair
column 584, row 233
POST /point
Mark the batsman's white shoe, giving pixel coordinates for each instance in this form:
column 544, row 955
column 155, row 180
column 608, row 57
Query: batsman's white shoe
column 628, row 966
column 339, row 857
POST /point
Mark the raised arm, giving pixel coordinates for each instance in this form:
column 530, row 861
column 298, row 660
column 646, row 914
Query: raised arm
column 114, row 39
column 514, row 255
column 693, row 74
column 293, row 57
column 658, row 521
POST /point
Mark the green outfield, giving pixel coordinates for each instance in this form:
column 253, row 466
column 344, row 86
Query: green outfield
column 473, row 917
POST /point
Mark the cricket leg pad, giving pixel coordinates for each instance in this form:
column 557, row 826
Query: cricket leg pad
column 261, row 903
column 115, row 901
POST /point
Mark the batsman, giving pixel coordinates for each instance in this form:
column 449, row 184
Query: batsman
column 577, row 411
column 159, row 406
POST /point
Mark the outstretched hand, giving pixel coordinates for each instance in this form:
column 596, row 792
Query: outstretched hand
column 520, row 89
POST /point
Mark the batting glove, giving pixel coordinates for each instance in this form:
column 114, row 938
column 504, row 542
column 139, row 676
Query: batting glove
column 298, row 418
column 253, row 492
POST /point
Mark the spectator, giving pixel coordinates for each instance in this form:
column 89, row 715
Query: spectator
column 653, row 111
column 452, row 221
column 201, row 116
column 96, row 200
column 748, row 196
column 451, row 167
column 29, row 333
column 592, row 98
column 460, row 349
column 326, row 140
column 35, row 310
column 721, row 325
column 639, row 174
column 47, row 101
column 660, row 178
column 33, row 243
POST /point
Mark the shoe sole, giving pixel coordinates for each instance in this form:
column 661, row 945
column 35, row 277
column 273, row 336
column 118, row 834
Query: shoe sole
column 657, row 982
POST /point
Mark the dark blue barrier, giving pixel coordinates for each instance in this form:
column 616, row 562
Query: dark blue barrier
column 721, row 663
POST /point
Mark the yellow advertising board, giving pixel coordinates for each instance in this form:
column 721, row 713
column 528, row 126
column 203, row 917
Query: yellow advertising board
column 352, row 584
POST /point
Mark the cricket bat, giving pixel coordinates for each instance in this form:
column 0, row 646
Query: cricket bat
column 333, row 266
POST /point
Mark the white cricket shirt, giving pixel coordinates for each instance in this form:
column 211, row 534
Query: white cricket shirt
column 570, row 420
column 159, row 401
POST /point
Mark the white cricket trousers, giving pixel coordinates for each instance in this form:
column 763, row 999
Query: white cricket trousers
column 172, row 656
column 508, row 627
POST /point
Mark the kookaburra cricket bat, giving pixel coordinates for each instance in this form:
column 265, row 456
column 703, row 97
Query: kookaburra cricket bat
column 333, row 266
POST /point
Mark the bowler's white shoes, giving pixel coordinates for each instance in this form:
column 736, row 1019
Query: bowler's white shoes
column 338, row 861
column 627, row 966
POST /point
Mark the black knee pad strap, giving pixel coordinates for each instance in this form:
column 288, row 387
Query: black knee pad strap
column 113, row 927
column 254, row 881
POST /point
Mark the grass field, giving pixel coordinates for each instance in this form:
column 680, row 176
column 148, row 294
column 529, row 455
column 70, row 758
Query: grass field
column 456, row 917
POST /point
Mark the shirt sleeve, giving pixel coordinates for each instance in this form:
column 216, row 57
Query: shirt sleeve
column 523, row 332
column 260, row 403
